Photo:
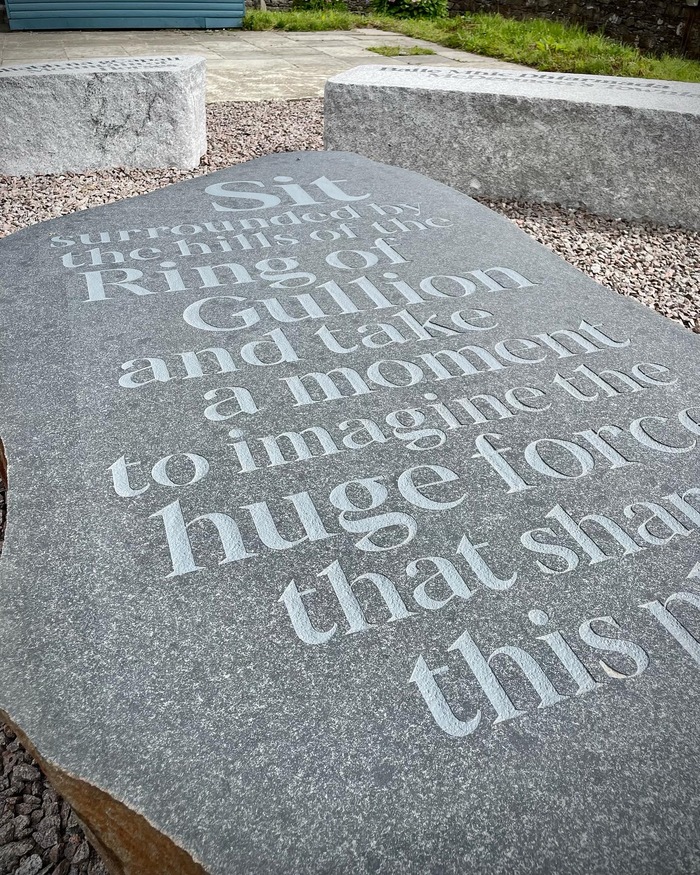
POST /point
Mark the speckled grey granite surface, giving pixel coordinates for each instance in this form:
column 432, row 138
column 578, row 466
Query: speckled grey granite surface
column 298, row 680
column 624, row 148
column 58, row 116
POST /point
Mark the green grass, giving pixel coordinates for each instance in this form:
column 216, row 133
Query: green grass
column 302, row 20
column 539, row 43
column 396, row 51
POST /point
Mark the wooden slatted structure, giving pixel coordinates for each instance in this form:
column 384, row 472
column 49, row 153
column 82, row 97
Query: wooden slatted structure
column 122, row 14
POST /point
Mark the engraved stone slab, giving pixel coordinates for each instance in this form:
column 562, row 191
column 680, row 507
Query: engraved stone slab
column 59, row 116
column 619, row 147
column 350, row 531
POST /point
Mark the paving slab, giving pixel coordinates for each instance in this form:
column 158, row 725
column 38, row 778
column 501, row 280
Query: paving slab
column 236, row 58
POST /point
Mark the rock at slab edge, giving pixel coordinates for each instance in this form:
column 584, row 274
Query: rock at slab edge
column 126, row 841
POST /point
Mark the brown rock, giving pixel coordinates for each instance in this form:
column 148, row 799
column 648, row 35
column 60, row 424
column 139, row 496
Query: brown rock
column 71, row 847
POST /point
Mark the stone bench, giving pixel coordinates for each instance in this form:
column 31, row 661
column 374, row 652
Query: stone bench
column 620, row 147
column 64, row 116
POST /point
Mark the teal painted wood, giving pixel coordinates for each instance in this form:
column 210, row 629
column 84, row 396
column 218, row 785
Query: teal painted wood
column 123, row 14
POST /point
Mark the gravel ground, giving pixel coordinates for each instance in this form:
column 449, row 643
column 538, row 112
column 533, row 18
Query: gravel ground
column 38, row 832
column 658, row 266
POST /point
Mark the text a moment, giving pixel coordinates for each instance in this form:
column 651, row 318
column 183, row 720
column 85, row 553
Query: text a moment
column 444, row 329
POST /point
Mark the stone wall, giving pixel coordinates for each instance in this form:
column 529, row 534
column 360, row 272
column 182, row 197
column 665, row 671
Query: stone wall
column 653, row 25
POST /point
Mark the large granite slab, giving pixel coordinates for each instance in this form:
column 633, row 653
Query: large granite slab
column 59, row 116
column 619, row 147
column 350, row 531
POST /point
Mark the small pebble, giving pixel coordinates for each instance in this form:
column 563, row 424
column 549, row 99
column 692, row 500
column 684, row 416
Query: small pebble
column 30, row 865
column 82, row 853
column 25, row 772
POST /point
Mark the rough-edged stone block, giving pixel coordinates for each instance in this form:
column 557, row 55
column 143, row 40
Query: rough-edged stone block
column 350, row 532
column 626, row 148
column 63, row 116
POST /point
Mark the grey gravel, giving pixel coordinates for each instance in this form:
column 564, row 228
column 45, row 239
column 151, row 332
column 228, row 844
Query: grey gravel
column 236, row 133
column 39, row 834
column 31, row 865
column 658, row 266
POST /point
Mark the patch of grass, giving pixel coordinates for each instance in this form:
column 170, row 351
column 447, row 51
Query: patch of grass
column 539, row 43
column 399, row 51
column 673, row 67
column 320, row 5
column 387, row 51
column 543, row 44
column 302, row 20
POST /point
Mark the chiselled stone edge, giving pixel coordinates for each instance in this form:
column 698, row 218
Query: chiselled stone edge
column 126, row 841
column 182, row 151
column 369, row 76
column 335, row 140
column 3, row 472
column 90, row 66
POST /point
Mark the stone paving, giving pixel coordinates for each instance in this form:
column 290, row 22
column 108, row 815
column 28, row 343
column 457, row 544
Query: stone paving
column 241, row 65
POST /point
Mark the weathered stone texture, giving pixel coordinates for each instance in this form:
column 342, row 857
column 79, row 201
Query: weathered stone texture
column 63, row 116
column 350, row 531
column 623, row 148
